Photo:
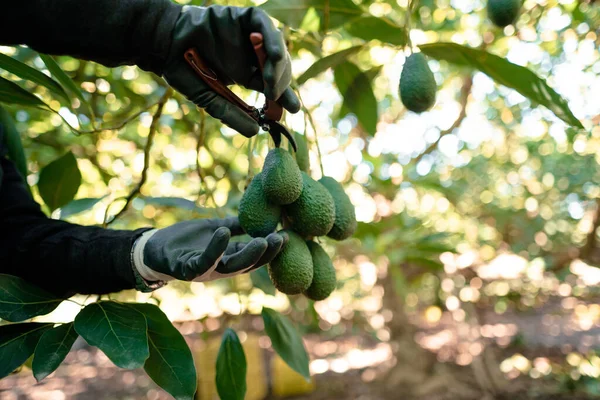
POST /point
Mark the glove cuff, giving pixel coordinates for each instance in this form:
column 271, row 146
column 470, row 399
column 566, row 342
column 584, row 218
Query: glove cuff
column 142, row 271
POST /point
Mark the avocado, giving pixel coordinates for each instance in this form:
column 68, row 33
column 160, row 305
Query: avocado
column 417, row 84
column 281, row 178
column 292, row 269
column 345, row 215
column 313, row 214
column 503, row 12
column 258, row 217
column 302, row 156
column 323, row 282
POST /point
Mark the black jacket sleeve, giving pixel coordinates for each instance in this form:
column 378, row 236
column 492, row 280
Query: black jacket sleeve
column 110, row 32
column 60, row 257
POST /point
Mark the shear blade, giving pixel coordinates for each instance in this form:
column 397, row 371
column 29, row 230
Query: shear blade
column 276, row 130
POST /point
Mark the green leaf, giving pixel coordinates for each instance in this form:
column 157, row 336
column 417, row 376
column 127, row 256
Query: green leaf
column 20, row 300
column 359, row 99
column 231, row 368
column 505, row 73
column 11, row 93
column 24, row 71
column 59, row 181
column 51, row 350
column 286, row 341
column 17, row 343
column 116, row 329
column 325, row 63
column 425, row 262
column 62, row 77
column 78, row 206
column 292, row 12
column 13, row 142
column 260, row 279
column 374, row 28
column 177, row 202
column 170, row 365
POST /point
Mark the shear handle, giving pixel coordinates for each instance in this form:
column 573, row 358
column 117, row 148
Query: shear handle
column 273, row 111
column 211, row 79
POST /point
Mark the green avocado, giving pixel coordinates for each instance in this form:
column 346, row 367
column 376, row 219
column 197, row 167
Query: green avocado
column 417, row 84
column 323, row 282
column 313, row 214
column 345, row 215
column 503, row 12
column 258, row 217
column 281, row 178
column 292, row 269
column 302, row 156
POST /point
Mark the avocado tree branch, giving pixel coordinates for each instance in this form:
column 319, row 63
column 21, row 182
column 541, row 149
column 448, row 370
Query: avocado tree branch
column 592, row 238
column 151, row 132
column 464, row 97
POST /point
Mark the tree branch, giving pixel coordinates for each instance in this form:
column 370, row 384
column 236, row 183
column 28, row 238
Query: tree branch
column 464, row 97
column 590, row 244
column 152, row 131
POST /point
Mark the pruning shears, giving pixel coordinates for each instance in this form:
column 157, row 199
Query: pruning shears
column 267, row 116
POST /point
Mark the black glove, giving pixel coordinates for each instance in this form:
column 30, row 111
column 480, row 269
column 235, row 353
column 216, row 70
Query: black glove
column 222, row 37
column 200, row 250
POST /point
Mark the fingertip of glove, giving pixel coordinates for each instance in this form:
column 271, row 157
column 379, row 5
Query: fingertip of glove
column 222, row 234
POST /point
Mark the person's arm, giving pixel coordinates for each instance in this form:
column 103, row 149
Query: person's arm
column 110, row 32
column 154, row 35
column 60, row 257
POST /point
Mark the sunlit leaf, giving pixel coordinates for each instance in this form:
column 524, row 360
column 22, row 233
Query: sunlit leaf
column 231, row 367
column 375, row 28
column 292, row 12
column 51, row 350
column 331, row 61
column 505, row 73
column 12, row 140
column 62, row 77
column 177, row 202
column 20, row 300
column 17, row 343
column 116, row 329
column 260, row 279
column 170, row 364
column 11, row 93
column 24, row 71
column 286, row 341
column 59, row 181
column 78, row 206
column 358, row 95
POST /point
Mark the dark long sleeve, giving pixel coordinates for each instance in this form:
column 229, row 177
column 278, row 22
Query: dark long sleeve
column 110, row 32
column 58, row 256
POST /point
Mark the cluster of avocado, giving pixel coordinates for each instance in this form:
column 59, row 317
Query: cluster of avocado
column 283, row 192
column 417, row 84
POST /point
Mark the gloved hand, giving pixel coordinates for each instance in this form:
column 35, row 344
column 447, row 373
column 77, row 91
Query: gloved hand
column 200, row 250
column 222, row 37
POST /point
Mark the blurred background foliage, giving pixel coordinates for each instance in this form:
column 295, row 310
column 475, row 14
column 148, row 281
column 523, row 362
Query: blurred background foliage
column 478, row 219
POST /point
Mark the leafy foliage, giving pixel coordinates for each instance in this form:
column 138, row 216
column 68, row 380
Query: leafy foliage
column 17, row 343
column 20, row 300
column 286, row 341
column 119, row 330
column 52, row 348
column 59, row 181
column 231, row 367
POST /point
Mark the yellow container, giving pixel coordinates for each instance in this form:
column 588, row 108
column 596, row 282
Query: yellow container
column 286, row 382
column 256, row 378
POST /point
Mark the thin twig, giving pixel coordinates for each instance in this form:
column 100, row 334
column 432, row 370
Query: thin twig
column 407, row 28
column 199, row 144
column 326, row 16
column 464, row 97
column 151, row 133
column 117, row 127
column 314, row 127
